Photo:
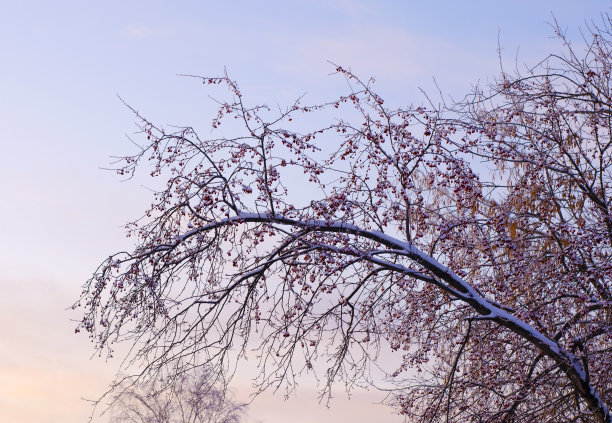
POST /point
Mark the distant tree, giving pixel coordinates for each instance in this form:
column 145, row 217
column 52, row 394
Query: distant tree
column 475, row 240
column 193, row 398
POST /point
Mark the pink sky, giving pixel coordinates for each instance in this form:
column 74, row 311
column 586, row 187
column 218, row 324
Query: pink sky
column 63, row 63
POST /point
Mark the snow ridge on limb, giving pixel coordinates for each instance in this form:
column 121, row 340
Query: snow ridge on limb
column 462, row 290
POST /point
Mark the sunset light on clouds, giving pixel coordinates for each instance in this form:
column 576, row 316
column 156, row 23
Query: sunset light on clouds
column 64, row 66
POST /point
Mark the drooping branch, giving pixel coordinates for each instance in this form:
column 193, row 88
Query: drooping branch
column 380, row 230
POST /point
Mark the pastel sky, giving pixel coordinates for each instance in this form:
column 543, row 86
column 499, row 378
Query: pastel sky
column 62, row 66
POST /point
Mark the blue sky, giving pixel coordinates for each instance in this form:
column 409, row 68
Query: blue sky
column 62, row 66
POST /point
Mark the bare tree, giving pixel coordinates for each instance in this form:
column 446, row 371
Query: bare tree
column 194, row 398
column 474, row 241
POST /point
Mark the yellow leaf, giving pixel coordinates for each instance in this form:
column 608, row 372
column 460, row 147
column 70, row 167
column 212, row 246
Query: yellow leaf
column 512, row 230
